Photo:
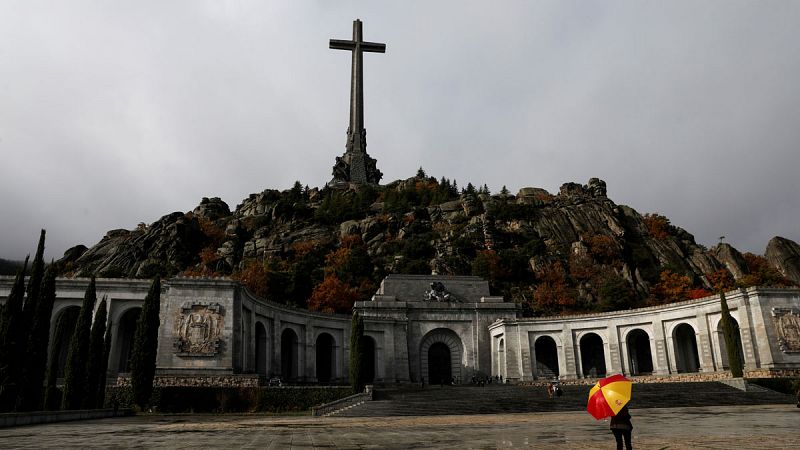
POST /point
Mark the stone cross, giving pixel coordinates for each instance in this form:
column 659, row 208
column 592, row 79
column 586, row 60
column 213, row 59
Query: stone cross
column 356, row 134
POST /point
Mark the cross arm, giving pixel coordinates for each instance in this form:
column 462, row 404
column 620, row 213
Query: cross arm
column 339, row 44
column 373, row 47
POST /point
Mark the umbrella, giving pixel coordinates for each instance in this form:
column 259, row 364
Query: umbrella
column 608, row 396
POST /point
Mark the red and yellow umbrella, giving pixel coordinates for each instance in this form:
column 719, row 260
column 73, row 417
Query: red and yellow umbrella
column 608, row 396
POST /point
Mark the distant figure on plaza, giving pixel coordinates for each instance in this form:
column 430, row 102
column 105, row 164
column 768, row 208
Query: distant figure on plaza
column 553, row 389
column 622, row 427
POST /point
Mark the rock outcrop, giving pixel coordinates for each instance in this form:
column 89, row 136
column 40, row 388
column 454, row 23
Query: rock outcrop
column 784, row 254
column 420, row 225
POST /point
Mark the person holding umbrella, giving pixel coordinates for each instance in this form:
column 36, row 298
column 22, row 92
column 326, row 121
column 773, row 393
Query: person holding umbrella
column 609, row 398
column 622, row 427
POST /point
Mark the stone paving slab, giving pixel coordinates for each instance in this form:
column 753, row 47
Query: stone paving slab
column 718, row 427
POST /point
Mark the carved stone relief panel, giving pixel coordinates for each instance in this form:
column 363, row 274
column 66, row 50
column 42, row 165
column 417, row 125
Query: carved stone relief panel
column 787, row 323
column 198, row 329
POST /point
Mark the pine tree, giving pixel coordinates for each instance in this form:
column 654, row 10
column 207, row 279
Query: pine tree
column 10, row 342
column 731, row 341
column 31, row 395
column 103, row 369
column 357, row 353
column 96, row 351
column 145, row 345
column 75, row 373
column 52, row 396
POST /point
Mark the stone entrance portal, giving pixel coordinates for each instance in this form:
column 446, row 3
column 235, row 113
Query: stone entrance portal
column 593, row 358
column 641, row 359
column 439, row 364
column 546, row 358
column 369, row 359
column 686, row 356
column 441, row 353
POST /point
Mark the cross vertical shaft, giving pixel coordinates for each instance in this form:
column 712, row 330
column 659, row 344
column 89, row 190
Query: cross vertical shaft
column 356, row 133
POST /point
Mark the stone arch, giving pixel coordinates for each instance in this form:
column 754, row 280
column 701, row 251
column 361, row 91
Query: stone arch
column 687, row 359
column 370, row 358
column 126, row 332
column 446, row 355
column 593, row 356
column 65, row 323
column 546, row 357
column 723, row 346
column 289, row 355
column 325, row 358
column 261, row 349
column 501, row 357
column 640, row 357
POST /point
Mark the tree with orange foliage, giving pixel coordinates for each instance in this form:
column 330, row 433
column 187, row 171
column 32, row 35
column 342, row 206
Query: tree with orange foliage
column 657, row 225
column 552, row 294
column 254, row 277
column 333, row 296
column 671, row 288
column 721, row 280
column 761, row 273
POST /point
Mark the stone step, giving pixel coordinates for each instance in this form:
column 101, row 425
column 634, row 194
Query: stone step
column 491, row 399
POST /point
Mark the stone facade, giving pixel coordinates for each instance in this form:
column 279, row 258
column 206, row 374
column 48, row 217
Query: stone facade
column 670, row 339
column 433, row 328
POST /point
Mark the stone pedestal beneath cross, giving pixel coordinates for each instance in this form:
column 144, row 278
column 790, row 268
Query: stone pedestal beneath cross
column 356, row 166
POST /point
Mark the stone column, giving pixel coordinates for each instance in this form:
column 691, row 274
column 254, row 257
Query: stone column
column 306, row 354
column 744, row 310
column 613, row 360
column 568, row 364
column 659, row 347
column 704, row 351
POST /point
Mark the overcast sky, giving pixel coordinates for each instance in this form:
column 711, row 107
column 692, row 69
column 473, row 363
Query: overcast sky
column 115, row 113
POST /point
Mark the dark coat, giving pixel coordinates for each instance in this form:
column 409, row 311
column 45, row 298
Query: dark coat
column 622, row 421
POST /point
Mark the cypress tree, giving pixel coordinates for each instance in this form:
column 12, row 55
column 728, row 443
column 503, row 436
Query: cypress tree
column 96, row 351
column 75, row 374
column 357, row 353
column 145, row 346
column 11, row 334
column 731, row 341
column 34, row 285
column 52, row 396
column 103, row 370
column 33, row 375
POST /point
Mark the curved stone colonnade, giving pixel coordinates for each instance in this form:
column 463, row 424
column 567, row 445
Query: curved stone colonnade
column 213, row 332
column 671, row 339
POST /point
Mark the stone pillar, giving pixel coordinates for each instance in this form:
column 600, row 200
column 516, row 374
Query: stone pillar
column 746, row 331
column 659, row 347
column 567, row 359
column 306, row 354
column 613, row 360
column 277, row 361
column 704, row 350
column 523, row 354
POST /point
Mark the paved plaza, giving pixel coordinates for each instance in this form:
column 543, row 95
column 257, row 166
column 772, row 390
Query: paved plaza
column 722, row 427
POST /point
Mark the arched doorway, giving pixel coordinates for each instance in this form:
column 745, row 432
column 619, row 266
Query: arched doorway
column 593, row 357
column 125, row 337
column 325, row 357
column 546, row 363
column 686, row 358
column 639, row 356
column 723, row 345
column 65, row 328
column 261, row 349
column 440, row 354
column 289, row 354
column 369, row 359
column 439, row 366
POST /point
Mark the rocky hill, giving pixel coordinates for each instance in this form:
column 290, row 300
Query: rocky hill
column 575, row 250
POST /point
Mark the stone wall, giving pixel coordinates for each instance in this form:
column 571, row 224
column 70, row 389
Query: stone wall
column 675, row 334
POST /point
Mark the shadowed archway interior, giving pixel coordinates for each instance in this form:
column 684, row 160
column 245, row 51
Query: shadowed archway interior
column 452, row 358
